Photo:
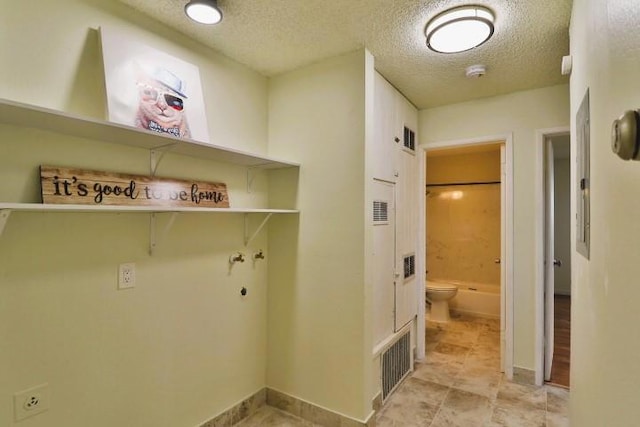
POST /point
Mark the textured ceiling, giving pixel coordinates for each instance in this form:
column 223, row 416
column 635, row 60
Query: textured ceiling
column 275, row 36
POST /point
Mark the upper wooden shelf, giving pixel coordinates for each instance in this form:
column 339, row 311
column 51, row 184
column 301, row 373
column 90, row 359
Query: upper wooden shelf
column 41, row 207
column 15, row 113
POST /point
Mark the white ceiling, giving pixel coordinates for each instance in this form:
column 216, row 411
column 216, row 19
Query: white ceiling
column 275, row 36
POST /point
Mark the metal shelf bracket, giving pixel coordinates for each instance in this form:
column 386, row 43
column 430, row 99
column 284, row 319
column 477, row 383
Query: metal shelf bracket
column 4, row 217
column 248, row 239
column 156, row 155
column 154, row 236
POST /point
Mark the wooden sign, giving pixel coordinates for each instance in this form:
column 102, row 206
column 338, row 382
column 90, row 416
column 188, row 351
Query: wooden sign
column 85, row 187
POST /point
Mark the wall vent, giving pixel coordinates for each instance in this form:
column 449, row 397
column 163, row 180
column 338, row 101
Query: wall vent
column 396, row 364
column 409, row 139
column 409, row 266
column 380, row 212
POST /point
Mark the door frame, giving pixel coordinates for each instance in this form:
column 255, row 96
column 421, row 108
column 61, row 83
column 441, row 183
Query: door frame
column 506, row 293
column 540, row 240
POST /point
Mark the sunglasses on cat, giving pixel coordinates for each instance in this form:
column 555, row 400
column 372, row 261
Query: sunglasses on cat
column 152, row 94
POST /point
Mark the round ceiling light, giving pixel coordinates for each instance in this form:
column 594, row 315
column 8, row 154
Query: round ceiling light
column 459, row 29
column 204, row 11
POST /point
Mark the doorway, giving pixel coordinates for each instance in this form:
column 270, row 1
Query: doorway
column 554, row 257
column 504, row 258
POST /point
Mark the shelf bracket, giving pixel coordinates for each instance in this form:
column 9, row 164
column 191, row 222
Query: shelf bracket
column 251, row 175
column 4, row 217
column 250, row 178
column 154, row 237
column 156, row 155
column 248, row 239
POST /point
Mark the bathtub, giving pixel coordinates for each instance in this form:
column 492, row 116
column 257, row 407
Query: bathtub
column 476, row 298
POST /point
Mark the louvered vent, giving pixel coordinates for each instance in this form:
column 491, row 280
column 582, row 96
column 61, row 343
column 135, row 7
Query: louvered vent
column 409, row 139
column 409, row 266
column 396, row 364
column 380, row 212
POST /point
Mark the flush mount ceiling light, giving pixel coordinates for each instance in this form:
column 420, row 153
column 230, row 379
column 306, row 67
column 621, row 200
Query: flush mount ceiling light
column 204, row 11
column 459, row 29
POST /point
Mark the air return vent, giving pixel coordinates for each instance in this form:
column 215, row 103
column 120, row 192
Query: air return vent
column 380, row 212
column 409, row 266
column 396, row 364
column 409, row 139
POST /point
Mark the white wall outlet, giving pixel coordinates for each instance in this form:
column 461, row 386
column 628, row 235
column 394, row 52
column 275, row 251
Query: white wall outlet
column 126, row 275
column 31, row 402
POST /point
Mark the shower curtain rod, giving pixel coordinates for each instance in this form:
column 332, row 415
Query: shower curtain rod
column 447, row 184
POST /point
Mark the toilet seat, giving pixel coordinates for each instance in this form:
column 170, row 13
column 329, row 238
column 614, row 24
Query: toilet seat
column 440, row 287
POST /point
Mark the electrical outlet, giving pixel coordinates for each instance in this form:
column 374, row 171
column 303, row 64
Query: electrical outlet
column 31, row 402
column 126, row 276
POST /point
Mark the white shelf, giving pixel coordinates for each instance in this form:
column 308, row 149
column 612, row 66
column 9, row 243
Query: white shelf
column 30, row 116
column 18, row 114
column 154, row 236
column 41, row 207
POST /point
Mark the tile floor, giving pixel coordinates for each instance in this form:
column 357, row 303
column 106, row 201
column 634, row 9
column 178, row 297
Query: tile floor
column 458, row 385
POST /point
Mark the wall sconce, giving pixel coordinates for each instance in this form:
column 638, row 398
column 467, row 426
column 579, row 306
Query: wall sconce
column 204, row 11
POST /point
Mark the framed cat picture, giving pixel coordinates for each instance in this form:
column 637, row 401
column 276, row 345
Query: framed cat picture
column 150, row 89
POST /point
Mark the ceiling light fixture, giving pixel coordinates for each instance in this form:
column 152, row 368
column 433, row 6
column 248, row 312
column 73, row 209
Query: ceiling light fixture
column 459, row 29
column 204, row 11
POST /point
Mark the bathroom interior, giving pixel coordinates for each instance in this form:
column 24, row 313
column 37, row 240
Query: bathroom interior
column 463, row 231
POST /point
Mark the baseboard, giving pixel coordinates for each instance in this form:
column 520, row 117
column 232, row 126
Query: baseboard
column 298, row 407
column 524, row 376
column 376, row 403
column 314, row 413
column 240, row 411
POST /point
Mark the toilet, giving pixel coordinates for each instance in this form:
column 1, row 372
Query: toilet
column 439, row 294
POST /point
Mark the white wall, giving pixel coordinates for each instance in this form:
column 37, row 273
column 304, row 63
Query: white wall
column 319, row 306
column 519, row 113
column 180, row 347
column 605, row 373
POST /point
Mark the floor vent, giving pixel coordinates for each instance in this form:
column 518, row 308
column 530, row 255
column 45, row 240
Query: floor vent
column 396, row 364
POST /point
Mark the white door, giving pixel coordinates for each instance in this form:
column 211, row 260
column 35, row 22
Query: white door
column 384, row 144
column 384, row 248
column 549, row 260
column 503, row 255
column 407, row 225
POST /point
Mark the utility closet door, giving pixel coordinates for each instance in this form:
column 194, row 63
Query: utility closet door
column 407, row 182
column 385, row 144
column 383, row 259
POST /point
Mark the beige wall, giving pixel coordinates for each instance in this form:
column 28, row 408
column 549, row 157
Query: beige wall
column 463, row 222
column 319, row 323
column 605, row 45
column 519, row 114
column 180, row 347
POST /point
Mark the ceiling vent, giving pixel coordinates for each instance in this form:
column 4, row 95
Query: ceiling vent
column 475, row 71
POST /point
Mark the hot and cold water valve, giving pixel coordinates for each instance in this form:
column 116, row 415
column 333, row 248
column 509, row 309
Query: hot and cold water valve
column 239, row 257
column 625, row 135
column 236, row 257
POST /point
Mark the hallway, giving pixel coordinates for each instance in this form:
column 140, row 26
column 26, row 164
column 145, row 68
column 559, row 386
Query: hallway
column 460, row 385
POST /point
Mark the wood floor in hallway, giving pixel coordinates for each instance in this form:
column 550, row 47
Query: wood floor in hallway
column 561, row 341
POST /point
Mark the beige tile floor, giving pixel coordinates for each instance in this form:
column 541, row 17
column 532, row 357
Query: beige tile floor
column 459, row 384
